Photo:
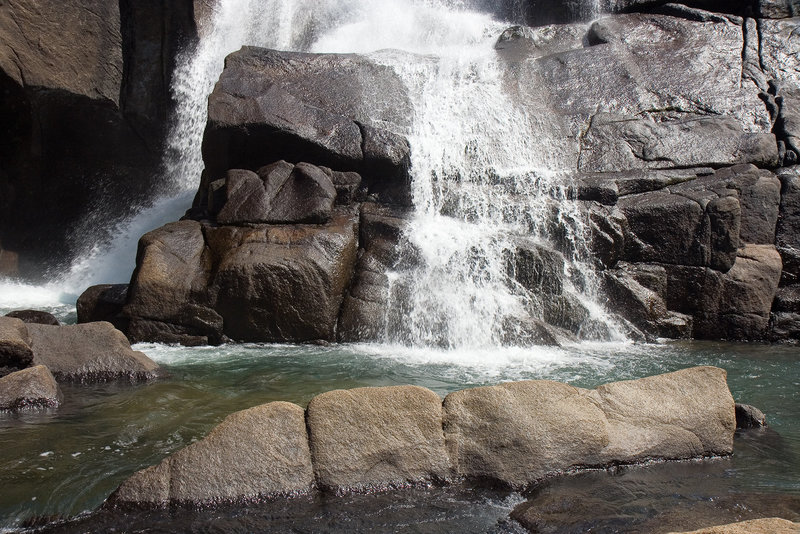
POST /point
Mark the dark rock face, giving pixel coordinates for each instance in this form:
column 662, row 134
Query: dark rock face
column 84, row 100
column 34, row 316
column 15, row 350
column 88, row 352
column 341, row 111
column 103, row 303
column 196, row 284
column 749, row 417
column 33, row 387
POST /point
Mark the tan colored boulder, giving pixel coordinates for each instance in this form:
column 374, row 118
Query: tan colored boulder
column 15, row 350
column 29, row 388
column 89, row 352
column 518, row 433
column 770, row 525
column 376, row 437
column 261, row 451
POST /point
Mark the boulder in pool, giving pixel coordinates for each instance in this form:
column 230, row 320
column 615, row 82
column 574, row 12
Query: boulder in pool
column 258, row 452
column 33, row 387
column 15, row 350
column 89, row 352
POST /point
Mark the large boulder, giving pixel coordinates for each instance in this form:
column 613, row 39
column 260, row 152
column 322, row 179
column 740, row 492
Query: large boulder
column 342, row 111
column 373, row 437
column 34, row 316
column 518, row 433
column 15, row 345
column 103, row 302
column 89, row 352
column 258, row 452
column 199, row 284
column 33, row 387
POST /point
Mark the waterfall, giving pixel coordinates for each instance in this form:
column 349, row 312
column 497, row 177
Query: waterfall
column 486, row 180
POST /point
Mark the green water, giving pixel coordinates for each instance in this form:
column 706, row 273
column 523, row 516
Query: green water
column 66, row 461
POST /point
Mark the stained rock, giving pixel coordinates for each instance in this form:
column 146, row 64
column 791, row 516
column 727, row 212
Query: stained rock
column 34, row 316
column 258, row 452
column 89, row 352
column 368, row 437
column 15, row 341
column 517, row 433
column 33, row 387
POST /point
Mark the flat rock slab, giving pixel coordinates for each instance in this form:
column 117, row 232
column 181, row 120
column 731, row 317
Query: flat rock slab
column 770, row 525
column 33, row 387
column 518, row 433
column 377, row 437
column 89, row 352
column 262, row 451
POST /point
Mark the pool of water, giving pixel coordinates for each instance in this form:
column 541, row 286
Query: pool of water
column 65, row 462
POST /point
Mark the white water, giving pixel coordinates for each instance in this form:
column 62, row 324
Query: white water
column 485, row 176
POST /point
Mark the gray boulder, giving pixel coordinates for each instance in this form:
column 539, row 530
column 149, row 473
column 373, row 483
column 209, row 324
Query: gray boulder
column 787, row 232
column 280, row 193
column 341, row 111
column 373, row 437
column 103, row 302
column 34, row 316
column 89, row 352
column 15, row 345
column 259, row 452
column 518, row 433
column 33, row 387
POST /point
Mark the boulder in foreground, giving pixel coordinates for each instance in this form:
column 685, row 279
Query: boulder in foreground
column 15, row 350
column 254, row 453
column 33, row 387
column 770, row 525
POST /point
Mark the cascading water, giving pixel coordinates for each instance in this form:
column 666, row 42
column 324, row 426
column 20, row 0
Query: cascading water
column 486, row 181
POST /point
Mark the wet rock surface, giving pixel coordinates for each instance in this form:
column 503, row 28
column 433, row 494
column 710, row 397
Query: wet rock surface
column 33, row 387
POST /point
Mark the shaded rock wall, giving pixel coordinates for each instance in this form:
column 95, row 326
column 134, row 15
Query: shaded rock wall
column 85, row 98
column 512, row 435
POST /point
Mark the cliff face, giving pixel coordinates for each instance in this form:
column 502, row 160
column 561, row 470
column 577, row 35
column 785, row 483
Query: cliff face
column 85, row 99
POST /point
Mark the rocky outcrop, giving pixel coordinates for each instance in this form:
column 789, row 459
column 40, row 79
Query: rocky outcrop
column 771, row 525
column 518, row 433
column 88, row 352
column 512, row 434
column 373, row 437
column 33, row 387
column 15, row 341
column 85, row 89
column 260, row 452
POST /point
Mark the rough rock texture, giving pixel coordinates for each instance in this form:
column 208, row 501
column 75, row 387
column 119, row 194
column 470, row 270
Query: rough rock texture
column 515, row 434
column 749, row 417
column 88, row 353
column 258, row 452
column 103, row 303
column 33, row 387
column 15, row 349
column 85, row 93
column 280, row 193
column 341, row 111
column 34, row 316
column 771, row 525
column 377, row 436
column 196, row 284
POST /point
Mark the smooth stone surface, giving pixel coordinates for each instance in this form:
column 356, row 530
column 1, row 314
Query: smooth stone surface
column 771, row 525
column 258, row 452
column 89, row 352
column 33, row 387
column 518, row 433
column 374, row 437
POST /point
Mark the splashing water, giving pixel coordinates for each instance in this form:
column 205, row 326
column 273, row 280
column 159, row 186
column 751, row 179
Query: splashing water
column 485, row 179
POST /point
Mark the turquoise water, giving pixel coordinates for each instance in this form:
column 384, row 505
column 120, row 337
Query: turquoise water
column 66, row 462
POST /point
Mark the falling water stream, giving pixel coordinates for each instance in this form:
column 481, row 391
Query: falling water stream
column 487, row 181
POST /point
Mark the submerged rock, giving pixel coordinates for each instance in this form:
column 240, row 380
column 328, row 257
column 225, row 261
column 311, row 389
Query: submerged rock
column 749, row 417
column 259, row 452
column 89, row 352
column 33, row 387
